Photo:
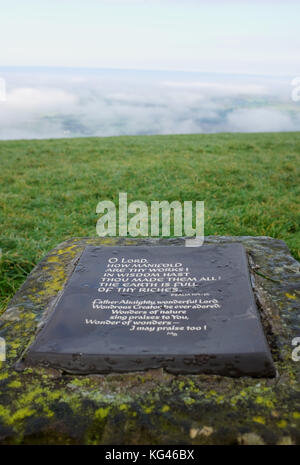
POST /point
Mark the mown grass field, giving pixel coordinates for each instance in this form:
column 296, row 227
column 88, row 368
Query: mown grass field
column 49, row 189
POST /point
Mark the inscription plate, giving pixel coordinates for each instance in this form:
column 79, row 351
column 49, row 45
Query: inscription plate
column 186, row 309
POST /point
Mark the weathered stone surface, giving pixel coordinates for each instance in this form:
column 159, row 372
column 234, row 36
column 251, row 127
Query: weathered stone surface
column 41, row 405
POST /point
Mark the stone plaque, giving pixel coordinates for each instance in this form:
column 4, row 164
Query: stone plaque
column 186, row 309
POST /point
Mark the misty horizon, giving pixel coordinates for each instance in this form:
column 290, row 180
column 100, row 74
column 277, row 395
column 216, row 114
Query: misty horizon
column 56, row 102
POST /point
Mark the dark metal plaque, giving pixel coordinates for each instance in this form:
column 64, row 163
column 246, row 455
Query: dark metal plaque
column 186, row 309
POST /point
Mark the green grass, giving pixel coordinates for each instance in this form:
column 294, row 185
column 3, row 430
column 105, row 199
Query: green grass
column 49, row 189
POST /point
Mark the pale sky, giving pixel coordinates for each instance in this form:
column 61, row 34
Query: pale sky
column 242, row 36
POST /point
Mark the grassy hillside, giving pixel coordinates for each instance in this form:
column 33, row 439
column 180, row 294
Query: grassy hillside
column 49, row 189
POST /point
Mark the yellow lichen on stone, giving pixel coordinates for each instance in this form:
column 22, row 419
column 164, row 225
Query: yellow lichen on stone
column 130, row 241
column 281, row 424
column 101, row 413
column 15, row 384
column 259, row 419
column 105, row 241
column 55, row 283
column 188, row 400
column 291, row 296
column 210, row 394
column 148, row 409
column 67, row 250
column 14, row 344
column 52, row 259
column 21, row 414
column 264, row 401
column 3, row 375
column 165, row 408
column 4, row 413
column 181, row 385
column 123, row 407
